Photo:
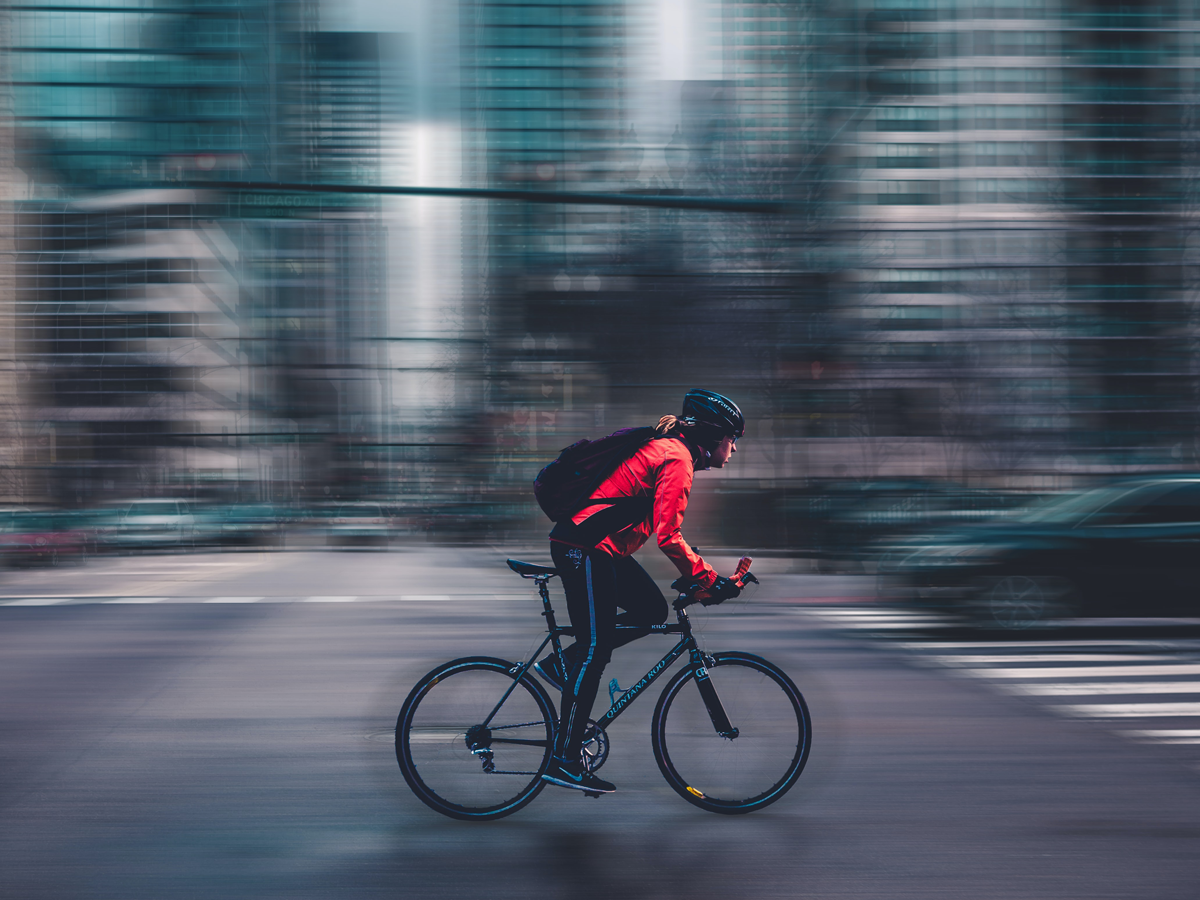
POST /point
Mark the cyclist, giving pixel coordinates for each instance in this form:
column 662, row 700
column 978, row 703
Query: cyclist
column 593, row 550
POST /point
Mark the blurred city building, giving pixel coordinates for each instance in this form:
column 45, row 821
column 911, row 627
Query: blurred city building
column 952, row 300
column 11, row 415
column 211, row 343
column 603, row 316
column 545, row 106
column 978, row 268
column 313, row 275
column 1011, row 287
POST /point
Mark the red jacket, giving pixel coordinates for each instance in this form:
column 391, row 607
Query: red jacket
column 662, row 469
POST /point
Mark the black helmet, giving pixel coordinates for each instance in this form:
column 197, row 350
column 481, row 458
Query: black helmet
column 711, row 417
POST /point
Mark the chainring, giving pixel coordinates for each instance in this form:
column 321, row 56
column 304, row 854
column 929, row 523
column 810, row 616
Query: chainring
column 595, row 747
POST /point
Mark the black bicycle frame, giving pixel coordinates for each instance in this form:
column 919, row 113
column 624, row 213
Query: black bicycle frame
column 687, row 644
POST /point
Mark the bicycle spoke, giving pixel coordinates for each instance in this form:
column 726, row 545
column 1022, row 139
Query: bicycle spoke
column 457, row 764
column 741, row 773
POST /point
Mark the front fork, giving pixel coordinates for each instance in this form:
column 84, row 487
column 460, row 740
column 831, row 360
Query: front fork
column 708, row 693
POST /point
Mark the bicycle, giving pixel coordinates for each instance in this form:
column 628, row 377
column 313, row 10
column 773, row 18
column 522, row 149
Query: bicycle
column 475, row 734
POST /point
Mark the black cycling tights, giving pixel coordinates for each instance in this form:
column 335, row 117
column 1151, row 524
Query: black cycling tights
column 596, row 584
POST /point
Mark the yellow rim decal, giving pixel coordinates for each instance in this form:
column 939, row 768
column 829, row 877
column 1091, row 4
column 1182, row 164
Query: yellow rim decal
column 692, row 790
column 435, row 681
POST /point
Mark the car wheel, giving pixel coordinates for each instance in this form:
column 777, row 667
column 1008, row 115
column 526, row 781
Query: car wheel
column 1021, row 601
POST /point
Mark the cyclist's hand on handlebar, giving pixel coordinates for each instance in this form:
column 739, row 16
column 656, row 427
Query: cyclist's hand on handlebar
column 691, row 592
column 722, row 589
column 719, row 591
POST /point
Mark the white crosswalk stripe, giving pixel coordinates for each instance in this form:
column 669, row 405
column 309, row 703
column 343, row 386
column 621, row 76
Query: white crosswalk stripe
column 1134, row 710
column 1166, row 735
column 1118, row 681
column 1105, row 688
column 881, row 621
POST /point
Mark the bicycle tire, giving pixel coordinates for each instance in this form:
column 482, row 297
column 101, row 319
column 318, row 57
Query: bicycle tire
column 440, row 754
column 745, row 773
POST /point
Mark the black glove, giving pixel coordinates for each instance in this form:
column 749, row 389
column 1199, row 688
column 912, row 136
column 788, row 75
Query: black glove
column 685, row 584
column 722, row 589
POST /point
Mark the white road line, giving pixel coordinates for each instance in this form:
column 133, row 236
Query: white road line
column 1058, row 646
column 1132, row 710
column 1050, row 657
column 1105, row 688
column 1084, row 671
column 868, row 625
column 855, row 616
column 132, row 599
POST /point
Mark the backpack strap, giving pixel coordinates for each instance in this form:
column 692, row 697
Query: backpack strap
column 617, row 516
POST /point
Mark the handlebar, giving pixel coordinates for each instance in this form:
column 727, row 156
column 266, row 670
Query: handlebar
column 694, row 593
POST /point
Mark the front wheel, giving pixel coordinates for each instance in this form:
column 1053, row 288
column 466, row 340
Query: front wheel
column 472, row 742
column 742, row 773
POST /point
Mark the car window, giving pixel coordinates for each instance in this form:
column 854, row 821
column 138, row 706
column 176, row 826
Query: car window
column 1179, row 505
column 1125, row 509
column 1073, row 509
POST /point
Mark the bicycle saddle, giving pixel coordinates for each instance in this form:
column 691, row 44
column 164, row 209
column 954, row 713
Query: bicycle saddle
column 530, row 570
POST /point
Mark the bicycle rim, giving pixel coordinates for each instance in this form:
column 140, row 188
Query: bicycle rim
column 741, row 774
column 457, row 765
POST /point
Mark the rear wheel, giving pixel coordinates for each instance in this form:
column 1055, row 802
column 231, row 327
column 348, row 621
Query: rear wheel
column 746, row 772
column 465, row 748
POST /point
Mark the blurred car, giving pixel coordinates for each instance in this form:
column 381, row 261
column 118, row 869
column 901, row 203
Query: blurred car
column 41, row 538
column 245, row 524
column 846, row 523
column 99, row 525
column 361, row 523
column 1130, row 548
column 157, row 523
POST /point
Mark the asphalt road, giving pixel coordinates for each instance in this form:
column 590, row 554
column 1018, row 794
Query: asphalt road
column 219, row 726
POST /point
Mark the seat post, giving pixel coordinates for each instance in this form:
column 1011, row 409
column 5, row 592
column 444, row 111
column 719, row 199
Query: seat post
column 544, row 592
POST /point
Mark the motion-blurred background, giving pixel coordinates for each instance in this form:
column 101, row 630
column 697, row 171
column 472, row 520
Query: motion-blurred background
column 941, row 252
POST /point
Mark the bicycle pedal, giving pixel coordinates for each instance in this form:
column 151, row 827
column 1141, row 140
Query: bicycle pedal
column 591, row 793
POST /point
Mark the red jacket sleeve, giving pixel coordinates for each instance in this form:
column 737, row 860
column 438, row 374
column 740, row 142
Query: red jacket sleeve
column 670, row 500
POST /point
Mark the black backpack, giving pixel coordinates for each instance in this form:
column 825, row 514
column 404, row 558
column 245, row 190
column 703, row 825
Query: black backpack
column 562, row 487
